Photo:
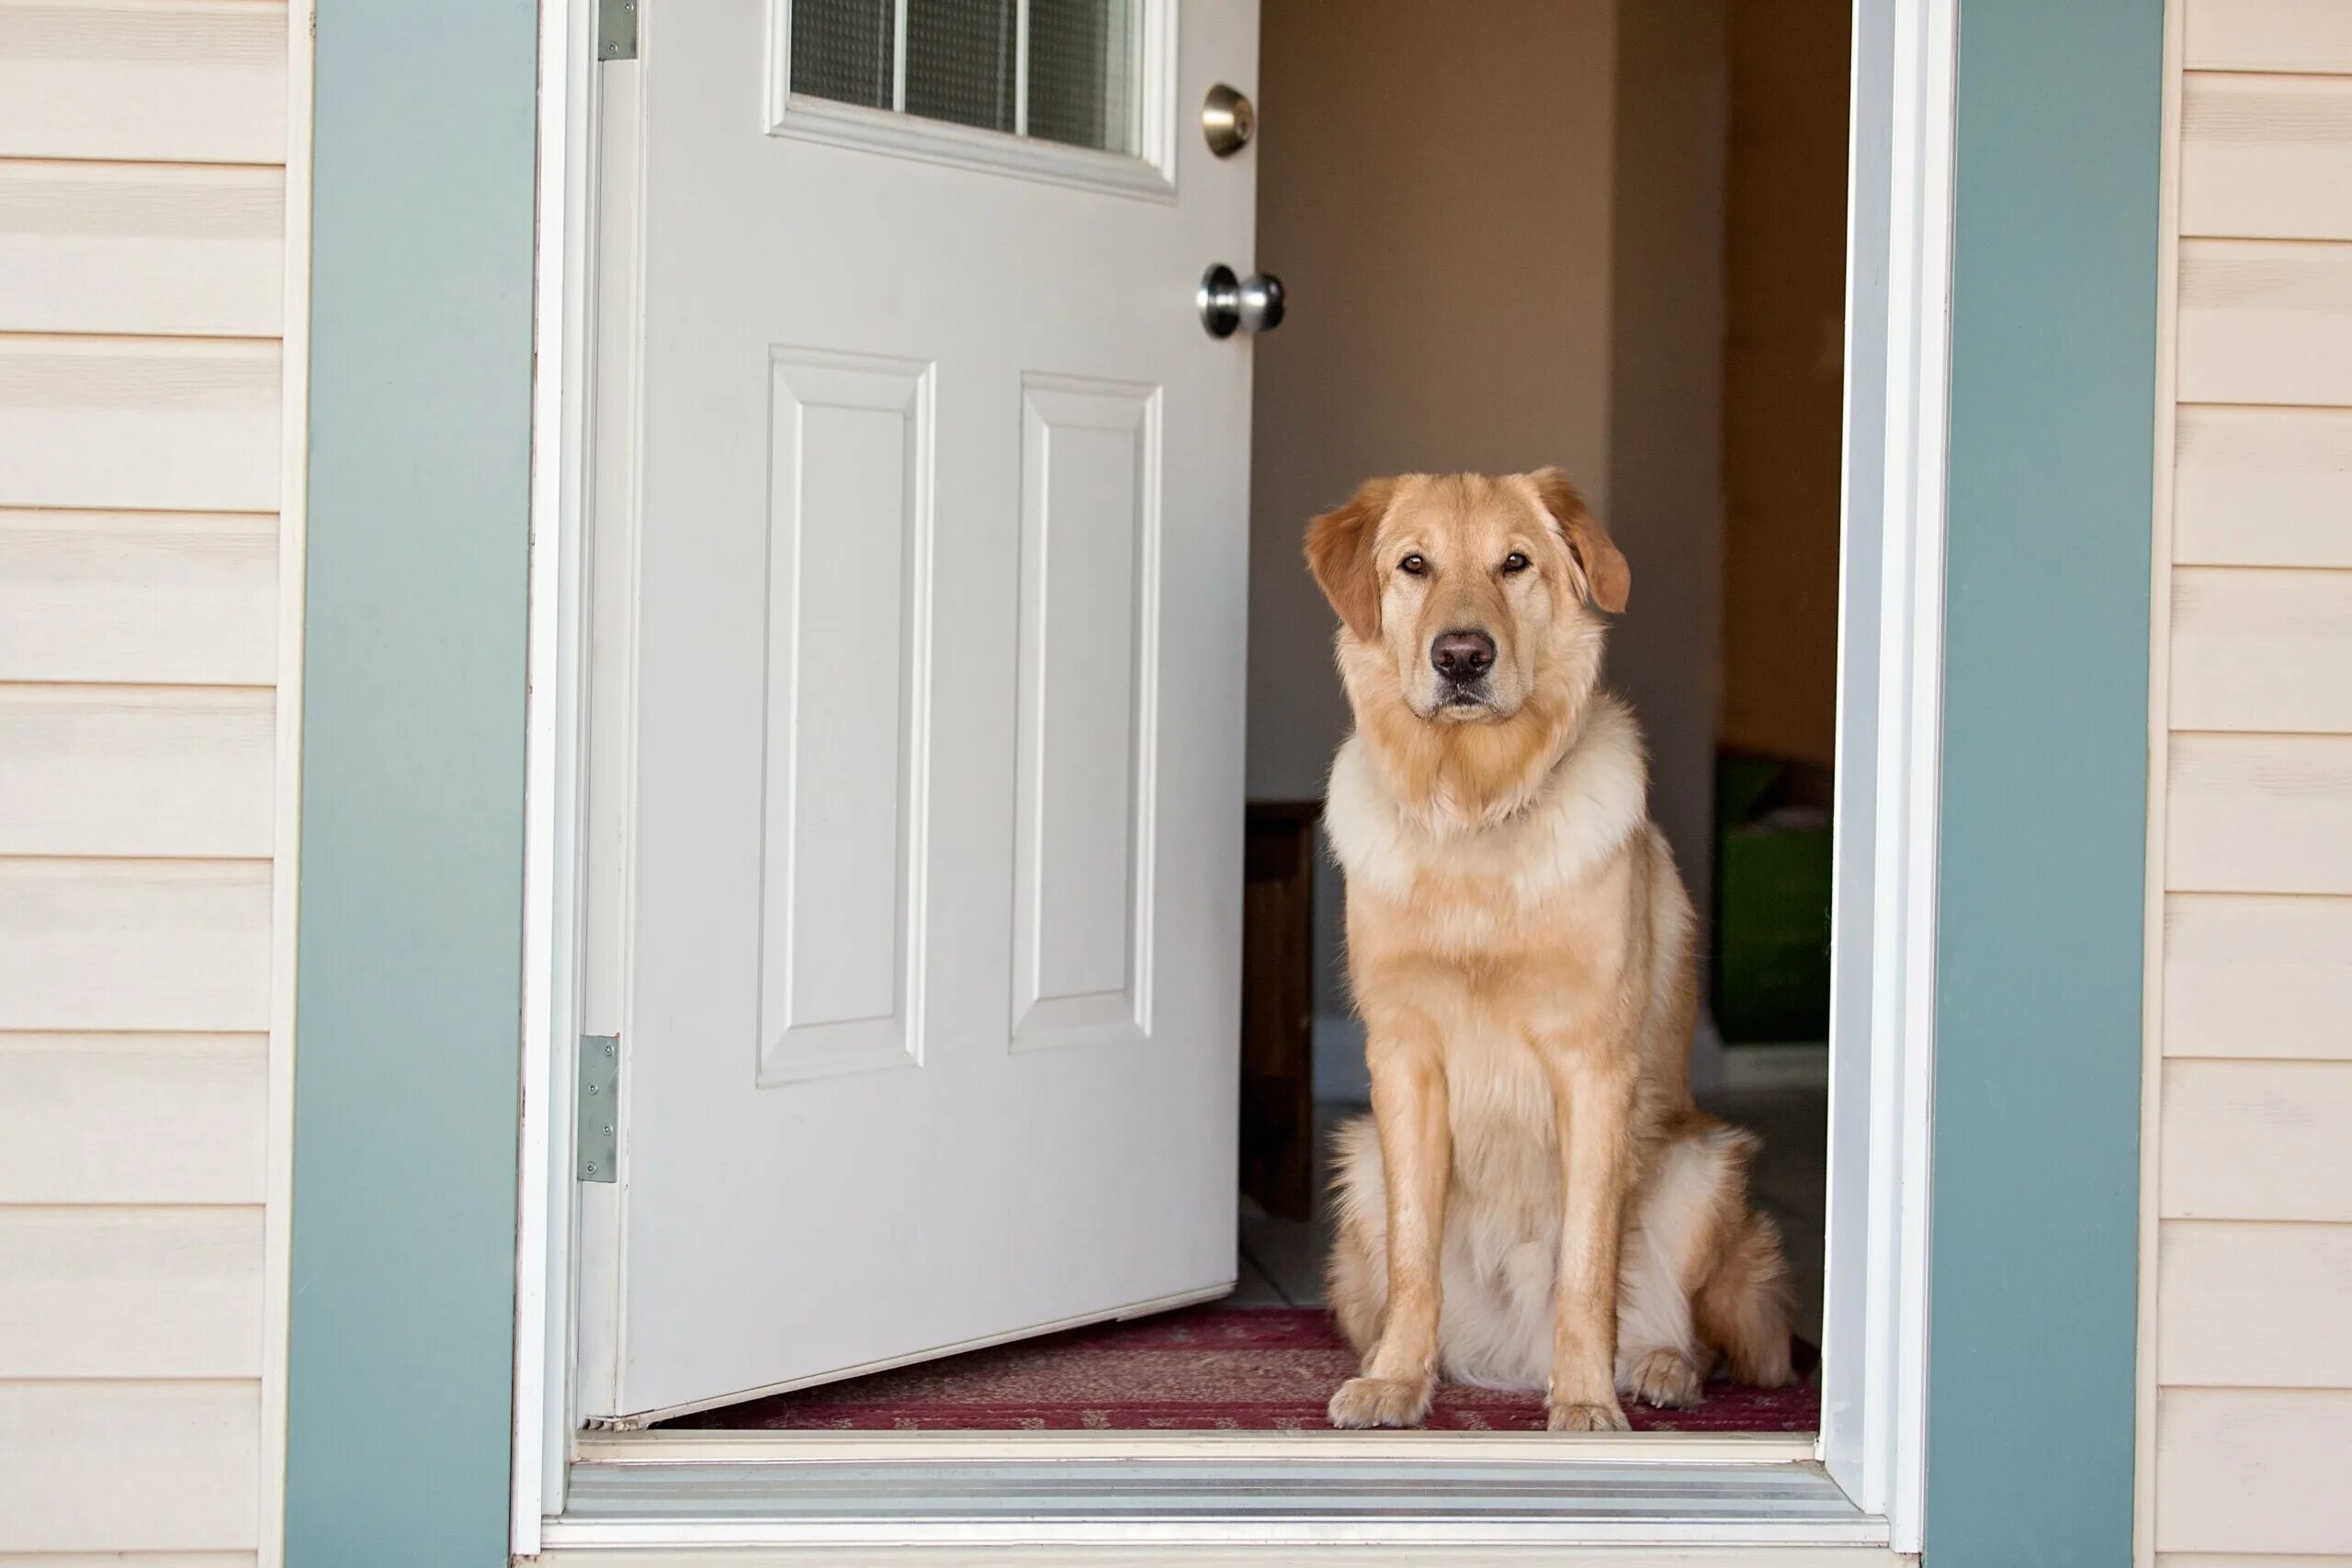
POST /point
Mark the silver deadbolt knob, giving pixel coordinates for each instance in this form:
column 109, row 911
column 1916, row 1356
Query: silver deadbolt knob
column 1254, row 303
column 1227, row 120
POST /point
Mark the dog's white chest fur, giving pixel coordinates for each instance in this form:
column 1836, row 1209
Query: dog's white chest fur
column 1594, row 798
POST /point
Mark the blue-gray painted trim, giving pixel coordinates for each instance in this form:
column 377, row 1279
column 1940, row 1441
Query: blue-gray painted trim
column 407, row 1045
column 2034, row 1287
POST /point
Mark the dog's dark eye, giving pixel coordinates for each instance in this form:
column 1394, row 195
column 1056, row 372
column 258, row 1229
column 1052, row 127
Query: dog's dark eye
column 1515, row 562
column 1413, row 565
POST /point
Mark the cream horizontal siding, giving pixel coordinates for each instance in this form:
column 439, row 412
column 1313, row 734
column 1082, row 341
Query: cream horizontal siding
column 156, row 423
column 2253, row 975
column 2258, row 1470
column 129, row 1464
column 171, row 248
column 160, row 1291
column 2253, row 1305
column 133, row 597
column 2262, row 485
column 2294, row 36
column 134, row 1119
column 183, row 80
column 2256, row 1140
column 136, row 770
column 2272, row 649
column 143, row 279
column 2260, row 813
column 2250, row 1181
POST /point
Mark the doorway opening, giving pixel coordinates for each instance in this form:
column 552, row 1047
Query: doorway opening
column 1611, row 238
column 621, row 399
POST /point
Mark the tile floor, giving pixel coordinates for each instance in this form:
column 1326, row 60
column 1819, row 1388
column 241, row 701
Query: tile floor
column 1282, row 1260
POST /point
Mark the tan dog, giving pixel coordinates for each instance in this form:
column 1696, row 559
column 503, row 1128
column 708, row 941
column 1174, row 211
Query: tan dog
column 1534, row 1203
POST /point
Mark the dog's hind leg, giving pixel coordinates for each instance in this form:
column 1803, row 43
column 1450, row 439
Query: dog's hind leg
column 1689, row 1210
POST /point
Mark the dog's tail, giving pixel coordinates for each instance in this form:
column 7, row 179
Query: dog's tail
column 1742, row 1307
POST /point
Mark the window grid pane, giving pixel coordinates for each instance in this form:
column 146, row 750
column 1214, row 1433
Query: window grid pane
column 842, row 51
column 1073, row 79
column 960, row 62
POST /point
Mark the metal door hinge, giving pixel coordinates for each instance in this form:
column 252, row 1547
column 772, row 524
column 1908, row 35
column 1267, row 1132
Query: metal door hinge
column 598, row 1144
column 616, row 30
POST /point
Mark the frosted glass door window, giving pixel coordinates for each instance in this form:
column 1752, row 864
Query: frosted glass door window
column 1060, row 70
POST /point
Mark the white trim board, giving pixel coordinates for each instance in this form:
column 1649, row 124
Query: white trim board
column 293, row 512
column 1872, row 1445
column 1889, row 729
column 2160, row 621
column 554, row 737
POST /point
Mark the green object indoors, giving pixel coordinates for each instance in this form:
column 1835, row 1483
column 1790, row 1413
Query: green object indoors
column 1769, row 973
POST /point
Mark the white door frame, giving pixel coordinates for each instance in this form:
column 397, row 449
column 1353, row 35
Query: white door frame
column 1889, row 721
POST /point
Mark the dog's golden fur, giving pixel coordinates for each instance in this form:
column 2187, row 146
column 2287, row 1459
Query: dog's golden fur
column 1535, row 1201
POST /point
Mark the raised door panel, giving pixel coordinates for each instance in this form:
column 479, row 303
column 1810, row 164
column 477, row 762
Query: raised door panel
column 848, row 557
column 1088, row 680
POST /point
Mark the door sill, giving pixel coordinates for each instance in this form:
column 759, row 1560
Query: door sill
column 1235, row 1491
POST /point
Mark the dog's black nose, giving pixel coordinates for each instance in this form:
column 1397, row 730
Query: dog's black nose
column 1463, row 655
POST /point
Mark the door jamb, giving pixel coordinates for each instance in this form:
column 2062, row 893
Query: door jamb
column 1890, row 683
column 554, row 724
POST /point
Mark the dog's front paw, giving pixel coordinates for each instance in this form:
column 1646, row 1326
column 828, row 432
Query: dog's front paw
column 1665, row 1379
column 1380, row 1401
column 1588, row 1418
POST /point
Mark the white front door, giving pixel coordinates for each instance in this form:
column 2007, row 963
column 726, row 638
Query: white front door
column 929, row 775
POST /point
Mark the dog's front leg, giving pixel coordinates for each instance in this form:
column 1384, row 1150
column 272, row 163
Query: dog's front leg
column 1409, row 1104
column 1592, row 1100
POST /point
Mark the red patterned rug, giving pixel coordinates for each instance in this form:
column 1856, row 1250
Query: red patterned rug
column 1233, row 1368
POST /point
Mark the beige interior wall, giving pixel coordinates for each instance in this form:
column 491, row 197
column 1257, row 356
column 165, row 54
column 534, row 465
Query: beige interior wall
column 1434, row 188
column 1666, row 400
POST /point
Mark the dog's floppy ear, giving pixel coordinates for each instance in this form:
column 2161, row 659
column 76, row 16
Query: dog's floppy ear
column 1606, row 576
column 1339, row 551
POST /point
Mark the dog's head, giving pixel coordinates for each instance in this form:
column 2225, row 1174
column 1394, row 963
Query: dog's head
column 1467, row 599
